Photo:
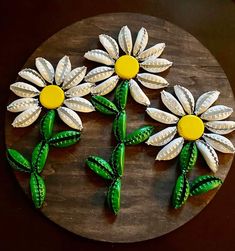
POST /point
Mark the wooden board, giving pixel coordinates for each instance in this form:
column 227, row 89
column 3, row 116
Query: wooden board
column 75, row 196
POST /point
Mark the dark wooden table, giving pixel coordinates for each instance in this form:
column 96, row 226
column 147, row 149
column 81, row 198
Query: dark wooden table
column 24, row 26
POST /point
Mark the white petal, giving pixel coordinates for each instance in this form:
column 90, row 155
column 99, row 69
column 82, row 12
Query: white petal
column 99, row 74
column 22, row 104
column 32, row 76
column 155, row 50
column 70, row 118
column 24, row 90
column 125, row 39
column 74, row 78
column 63, row 68
column 152, row 81
column 105, row 87
column 220, row 127
column 185, row 97
column 171, row 150
column 46, row 69
column 208, row 154
column 79, row 104
column 172, row 104
column 163, row 137
column 140, row 42
column 137, row 94
column 161, row 116
column 27, row 117
column 110, row 45
column 205, row 101
column 99, row 56
column 219, row 142
column 217, row 112
column 155, row 65
column 79, row 91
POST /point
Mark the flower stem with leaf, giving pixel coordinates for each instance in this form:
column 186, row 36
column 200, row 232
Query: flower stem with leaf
column 113, row 169
column 40, row 155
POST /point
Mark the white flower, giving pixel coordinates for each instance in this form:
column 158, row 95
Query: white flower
column 190, row 126
column 65, row 95
column 127, row 67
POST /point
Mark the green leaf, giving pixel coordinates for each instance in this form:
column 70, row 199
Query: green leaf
column 65, row 138
column 38, row 189
column 121, row 95
column 188, row 157
column 39, row 156
column 104, row 105
column 140, row 135
column 47, row 124
column 117, row 159
column 114, row 196
column 18, row 161
column 100, row 167
column 203, row 184
column 119, row 126
column 180, row 192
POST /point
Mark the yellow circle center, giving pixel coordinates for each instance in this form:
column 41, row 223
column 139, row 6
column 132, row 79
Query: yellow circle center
column 51, row 97
column 190, row 127
column 126, row 67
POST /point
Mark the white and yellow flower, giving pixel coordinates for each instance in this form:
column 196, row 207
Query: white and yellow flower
column 190, row 125
column 127, row 67
column 61, row 90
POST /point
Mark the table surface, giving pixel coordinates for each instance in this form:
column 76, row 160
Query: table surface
column 24, row 26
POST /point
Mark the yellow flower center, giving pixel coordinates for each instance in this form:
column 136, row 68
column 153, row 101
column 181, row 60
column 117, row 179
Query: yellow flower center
column 190, row 127
column 127, row 67
column 51, row 97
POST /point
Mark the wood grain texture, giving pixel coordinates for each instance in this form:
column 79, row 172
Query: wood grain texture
column 75, row 196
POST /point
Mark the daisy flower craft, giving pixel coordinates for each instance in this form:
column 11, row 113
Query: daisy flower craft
column 189, row 119
column 126, row 68
column 117, row 66
column 61, row 90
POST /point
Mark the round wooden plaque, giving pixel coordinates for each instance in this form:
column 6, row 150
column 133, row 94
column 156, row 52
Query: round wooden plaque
column 76, row 196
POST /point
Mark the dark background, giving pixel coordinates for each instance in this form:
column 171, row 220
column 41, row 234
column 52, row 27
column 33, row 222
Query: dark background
column 24, row 26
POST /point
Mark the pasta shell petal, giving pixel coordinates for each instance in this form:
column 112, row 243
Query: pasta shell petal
column 22, row 104
column 46, row 69
column 27, row 117
column 63, row 68
column 161, row 116
column 220, row 127
column 24, row 90
column 79, row 104
column 140, row 42
column 172, row 103
column 137, row 94
column 152, row 81
column 156, row 65
column 155, row 50
column 171, row 150
column 105, row 87
column 99, row 74
column 217, row 112
column 70, row 118
column 110, row 45
column 125, row 39
column 208, row 154
column 79, row 91
column 185, row 97
column 32, row 76
column 99, row 56
column 219, row 142
column 163, row 137
column 205, row 101
column 74, row 78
